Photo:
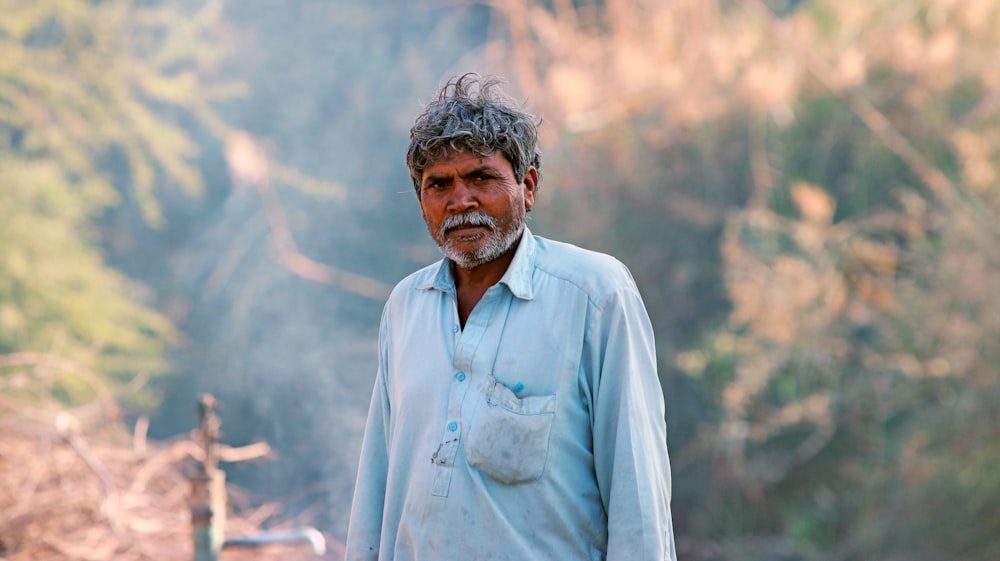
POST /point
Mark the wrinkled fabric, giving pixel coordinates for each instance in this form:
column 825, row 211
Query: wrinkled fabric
column 534, row 433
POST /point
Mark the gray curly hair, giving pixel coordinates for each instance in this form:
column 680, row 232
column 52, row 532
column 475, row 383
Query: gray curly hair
column 471, row 114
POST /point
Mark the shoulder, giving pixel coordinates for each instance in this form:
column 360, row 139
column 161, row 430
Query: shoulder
column 595, row 273
column 414, row 284
column 422, row 277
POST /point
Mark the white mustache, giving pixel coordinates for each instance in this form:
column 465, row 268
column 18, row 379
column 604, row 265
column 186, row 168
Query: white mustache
column 468, row 219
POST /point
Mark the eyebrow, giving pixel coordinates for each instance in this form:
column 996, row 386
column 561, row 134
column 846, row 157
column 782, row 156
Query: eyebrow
column 447, row 178
column 435, row 178
column 482, row 170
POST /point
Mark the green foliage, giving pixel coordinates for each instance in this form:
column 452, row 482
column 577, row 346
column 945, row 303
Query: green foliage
column 56, row 294
column 852, row 379
column 80, row 81
column 851, row 324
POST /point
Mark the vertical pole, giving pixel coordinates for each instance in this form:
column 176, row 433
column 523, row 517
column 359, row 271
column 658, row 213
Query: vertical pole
column 208, row 489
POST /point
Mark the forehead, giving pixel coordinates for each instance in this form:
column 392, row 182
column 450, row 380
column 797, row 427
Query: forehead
column 459, row 162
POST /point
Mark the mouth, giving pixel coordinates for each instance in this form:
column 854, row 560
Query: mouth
column 468, row 231
column 468, row 227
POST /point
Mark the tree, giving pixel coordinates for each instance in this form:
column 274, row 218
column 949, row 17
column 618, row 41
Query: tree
column 88, row 97
column 848, row 155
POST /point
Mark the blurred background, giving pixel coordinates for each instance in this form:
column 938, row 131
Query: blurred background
column 206, row 196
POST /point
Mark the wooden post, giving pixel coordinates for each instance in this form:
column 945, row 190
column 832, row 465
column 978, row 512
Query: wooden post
column 208, row 489
column 208, row 502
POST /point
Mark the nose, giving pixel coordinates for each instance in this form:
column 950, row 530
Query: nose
column 463, row 198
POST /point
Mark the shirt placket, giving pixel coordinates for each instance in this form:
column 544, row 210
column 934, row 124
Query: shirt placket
column 467, row 341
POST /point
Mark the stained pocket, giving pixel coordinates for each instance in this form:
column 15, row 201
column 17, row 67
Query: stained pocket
column 509, row 437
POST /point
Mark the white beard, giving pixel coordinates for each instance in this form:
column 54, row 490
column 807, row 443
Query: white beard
column 499, row 238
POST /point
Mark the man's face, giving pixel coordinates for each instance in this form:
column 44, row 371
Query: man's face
column 474, row 207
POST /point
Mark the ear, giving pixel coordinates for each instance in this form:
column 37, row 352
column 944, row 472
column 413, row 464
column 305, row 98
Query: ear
column 530, row 184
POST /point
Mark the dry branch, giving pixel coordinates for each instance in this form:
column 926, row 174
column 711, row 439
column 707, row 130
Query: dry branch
column 81, row 487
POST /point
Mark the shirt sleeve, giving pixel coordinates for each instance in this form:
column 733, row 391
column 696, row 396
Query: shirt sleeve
column 365, row 528
column 629, row 430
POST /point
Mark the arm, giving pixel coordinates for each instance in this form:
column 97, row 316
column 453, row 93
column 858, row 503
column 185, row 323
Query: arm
column 630, row 449
column 365, row 529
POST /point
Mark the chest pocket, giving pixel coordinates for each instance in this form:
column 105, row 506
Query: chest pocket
column 509, row 437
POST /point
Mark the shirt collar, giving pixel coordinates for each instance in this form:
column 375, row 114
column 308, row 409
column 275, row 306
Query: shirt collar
column 517, row 278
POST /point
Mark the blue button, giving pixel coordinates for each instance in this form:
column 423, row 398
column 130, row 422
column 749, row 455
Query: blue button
column 456, row 328
column 453, row 426
column 460, row 376
column 518, row 387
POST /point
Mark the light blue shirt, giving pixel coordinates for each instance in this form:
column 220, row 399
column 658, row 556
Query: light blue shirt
column 535, row 433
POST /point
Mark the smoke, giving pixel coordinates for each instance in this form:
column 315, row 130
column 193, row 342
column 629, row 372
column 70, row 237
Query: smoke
column 333, row 89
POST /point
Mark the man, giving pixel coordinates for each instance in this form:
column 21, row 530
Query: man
column 517, row 413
